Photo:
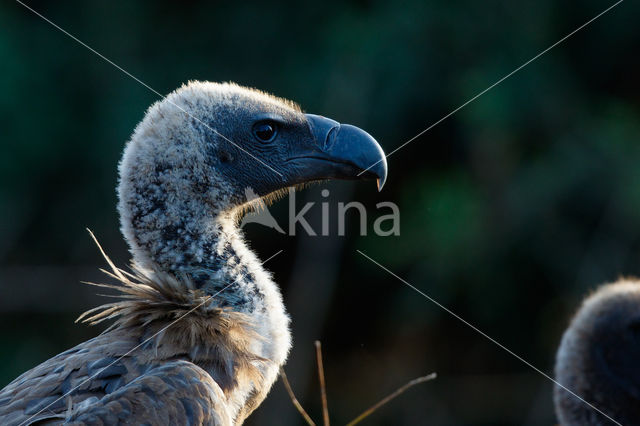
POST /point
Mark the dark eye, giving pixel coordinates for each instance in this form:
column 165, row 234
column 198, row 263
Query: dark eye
column 265, row 131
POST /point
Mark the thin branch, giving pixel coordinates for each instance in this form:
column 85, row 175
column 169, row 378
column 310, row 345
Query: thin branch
column 323, row 388
column 297, row 404
column 389, row 397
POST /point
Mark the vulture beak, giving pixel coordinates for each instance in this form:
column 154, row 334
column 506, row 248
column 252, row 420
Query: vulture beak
column 341, row 151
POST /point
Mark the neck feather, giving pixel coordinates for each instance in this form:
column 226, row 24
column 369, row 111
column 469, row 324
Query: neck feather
column 176, row 225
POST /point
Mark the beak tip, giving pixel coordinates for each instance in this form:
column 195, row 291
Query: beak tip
column 381, row 171
column 380, row 181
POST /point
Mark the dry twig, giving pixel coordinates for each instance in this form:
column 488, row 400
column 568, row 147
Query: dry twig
column 323, row 389
column 301, row 410
column 389, row 397
column 323, row 393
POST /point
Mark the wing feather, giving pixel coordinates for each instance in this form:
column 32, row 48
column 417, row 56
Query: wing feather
column 100, row 382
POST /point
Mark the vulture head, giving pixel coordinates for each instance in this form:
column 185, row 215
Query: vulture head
column 186, row 171
column 598, row 359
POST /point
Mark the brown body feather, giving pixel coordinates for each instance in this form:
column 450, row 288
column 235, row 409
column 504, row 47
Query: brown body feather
column 166, row 345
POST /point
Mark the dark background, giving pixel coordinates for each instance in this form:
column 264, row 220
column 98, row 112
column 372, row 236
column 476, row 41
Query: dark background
column 511, row 210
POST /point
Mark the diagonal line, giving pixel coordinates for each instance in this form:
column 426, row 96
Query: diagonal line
column 147, row 86
column 496, row 83
column 476, row 329
column 207, row 299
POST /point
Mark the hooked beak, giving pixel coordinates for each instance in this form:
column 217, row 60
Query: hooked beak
column 341, row 151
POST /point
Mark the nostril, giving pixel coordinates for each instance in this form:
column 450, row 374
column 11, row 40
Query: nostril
column 331, row 137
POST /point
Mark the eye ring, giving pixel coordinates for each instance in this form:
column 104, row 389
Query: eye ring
column 265, row 131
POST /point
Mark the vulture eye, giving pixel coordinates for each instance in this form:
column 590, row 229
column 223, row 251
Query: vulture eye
column 265, row 131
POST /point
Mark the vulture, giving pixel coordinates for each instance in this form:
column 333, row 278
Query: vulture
column 599, row 359
column 200, row 331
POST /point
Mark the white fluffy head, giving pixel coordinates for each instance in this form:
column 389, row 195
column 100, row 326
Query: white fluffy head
column 174, row 174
